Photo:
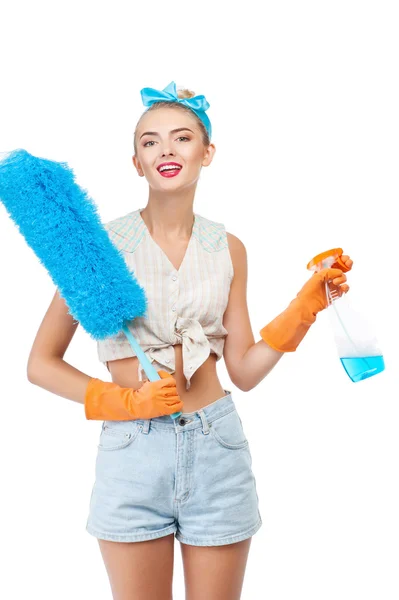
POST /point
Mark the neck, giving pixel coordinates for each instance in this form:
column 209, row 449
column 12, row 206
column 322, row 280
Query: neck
column 169, row 215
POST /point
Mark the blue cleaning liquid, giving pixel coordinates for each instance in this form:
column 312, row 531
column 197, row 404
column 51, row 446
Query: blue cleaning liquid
column 363, row 367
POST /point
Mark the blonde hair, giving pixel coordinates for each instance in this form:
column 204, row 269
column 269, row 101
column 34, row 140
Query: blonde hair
column 181, row 94
column 185, row 94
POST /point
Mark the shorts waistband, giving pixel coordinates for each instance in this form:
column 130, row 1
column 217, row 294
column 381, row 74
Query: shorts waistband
column 199, row 418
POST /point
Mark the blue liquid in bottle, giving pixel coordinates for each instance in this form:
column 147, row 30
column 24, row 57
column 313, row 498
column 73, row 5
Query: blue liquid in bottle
column 360, row 368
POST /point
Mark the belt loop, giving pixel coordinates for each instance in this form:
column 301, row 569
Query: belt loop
column 205, row 425
column 146, row 425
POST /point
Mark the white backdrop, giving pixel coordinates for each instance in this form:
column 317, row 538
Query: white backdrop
column 304, row 105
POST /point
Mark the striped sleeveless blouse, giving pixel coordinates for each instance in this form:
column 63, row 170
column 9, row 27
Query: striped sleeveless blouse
column 184, row 306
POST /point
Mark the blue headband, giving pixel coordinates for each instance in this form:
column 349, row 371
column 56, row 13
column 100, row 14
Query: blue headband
column 198, row 104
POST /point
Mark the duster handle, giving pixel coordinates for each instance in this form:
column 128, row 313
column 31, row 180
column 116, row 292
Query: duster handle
column 150, row 371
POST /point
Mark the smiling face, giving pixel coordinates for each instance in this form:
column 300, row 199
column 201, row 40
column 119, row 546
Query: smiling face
column 170, row 151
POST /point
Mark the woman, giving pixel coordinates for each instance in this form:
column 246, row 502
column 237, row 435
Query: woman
column 157, row 476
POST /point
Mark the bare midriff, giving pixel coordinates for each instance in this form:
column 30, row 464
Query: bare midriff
column 205, row 385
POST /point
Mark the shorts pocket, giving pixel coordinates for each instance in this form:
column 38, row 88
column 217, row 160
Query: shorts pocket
column 118, row 435
column 228, row 431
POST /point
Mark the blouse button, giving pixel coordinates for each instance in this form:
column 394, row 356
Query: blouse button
column 174, row 308
column 174, row 277
column 167, row 360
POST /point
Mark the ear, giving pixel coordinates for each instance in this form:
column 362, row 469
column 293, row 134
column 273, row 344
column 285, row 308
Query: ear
column 208, row 156
column 136, row 163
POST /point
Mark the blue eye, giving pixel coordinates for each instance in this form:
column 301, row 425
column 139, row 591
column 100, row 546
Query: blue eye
column 150, row 142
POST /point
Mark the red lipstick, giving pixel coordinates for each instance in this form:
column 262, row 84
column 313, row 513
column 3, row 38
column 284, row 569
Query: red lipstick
column 169, row 169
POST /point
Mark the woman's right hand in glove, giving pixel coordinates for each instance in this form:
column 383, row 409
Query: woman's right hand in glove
column 107, row 401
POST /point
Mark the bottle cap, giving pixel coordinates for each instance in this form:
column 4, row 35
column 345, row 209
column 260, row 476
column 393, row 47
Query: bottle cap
column 334, row 253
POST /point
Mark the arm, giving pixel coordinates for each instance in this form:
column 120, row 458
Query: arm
column 102, row 399
column 247, row 362
column 46, row 367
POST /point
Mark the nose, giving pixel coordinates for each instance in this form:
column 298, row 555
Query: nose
column 167, row 151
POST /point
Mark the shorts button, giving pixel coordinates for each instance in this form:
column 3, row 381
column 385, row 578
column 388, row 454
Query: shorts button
column 182, row 421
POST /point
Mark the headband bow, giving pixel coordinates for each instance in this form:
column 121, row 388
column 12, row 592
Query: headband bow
column 198, row 104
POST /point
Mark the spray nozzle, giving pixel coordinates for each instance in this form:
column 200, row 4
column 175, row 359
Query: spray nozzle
column 328, row 259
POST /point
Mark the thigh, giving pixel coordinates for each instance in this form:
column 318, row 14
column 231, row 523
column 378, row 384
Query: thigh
column 139, row 570
column 215, row 572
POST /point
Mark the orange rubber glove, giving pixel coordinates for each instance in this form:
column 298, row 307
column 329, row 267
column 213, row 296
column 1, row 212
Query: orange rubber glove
column 289, row 328
column 108, row 401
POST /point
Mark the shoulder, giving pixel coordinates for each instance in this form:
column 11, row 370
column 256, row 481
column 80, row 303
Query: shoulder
column 235, row 243
column 126, row 231
column 236, row 247
column 238, row 255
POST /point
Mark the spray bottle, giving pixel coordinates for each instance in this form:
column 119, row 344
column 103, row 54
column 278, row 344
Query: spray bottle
column 355, row 340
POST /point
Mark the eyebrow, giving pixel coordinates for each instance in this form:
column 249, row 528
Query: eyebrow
column 173, row 131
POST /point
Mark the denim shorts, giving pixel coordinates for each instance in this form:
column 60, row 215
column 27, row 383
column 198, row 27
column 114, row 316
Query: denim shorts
column 190, row 476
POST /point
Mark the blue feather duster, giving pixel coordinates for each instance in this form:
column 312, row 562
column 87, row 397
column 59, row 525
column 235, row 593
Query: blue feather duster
column 61, row 224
